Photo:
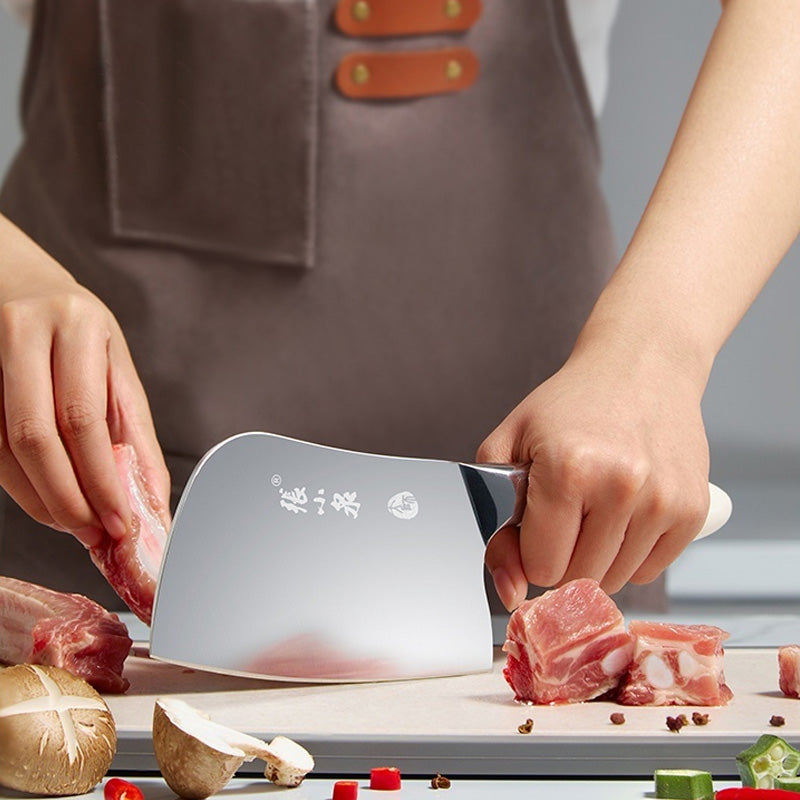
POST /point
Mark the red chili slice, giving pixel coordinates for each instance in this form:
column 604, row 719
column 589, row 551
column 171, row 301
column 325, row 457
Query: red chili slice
column 345, row 790
column 387, row 778
column 119, row 789
column 751, row 793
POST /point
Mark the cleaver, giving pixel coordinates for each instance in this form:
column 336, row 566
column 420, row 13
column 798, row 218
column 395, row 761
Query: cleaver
column 300, row 562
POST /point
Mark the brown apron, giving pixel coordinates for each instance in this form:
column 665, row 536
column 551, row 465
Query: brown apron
column 384, row 275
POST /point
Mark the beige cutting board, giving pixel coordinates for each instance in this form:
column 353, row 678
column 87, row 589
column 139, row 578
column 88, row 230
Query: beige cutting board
column 465, row 724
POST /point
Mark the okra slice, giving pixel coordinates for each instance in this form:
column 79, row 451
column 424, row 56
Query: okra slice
column 769, row 758
column 789, row 784
column 684, row 784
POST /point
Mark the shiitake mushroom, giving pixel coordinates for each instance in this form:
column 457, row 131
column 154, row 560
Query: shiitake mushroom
column 57, row 733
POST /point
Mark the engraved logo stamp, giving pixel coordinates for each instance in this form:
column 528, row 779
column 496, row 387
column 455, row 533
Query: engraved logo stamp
column 403, row 505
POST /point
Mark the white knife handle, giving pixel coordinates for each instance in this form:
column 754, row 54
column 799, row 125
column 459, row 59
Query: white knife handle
column 719, row 511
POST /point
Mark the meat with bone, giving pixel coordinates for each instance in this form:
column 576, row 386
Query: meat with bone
column 789, row 669
column 676, row 665
column 42, row 626
column 131, row 564
column 566, row 646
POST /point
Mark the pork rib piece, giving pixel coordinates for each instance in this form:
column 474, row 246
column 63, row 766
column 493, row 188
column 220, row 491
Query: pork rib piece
column 676, row 665
column 131, row 564
column 42, row 626
column 789, row 669
column 567, row 646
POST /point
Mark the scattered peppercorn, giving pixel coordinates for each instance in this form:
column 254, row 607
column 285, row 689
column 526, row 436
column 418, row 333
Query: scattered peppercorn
column 440, row 782
column 676, row 723
column 617, row 718
column 699, row 719
column 526, row 726
column 776, row 721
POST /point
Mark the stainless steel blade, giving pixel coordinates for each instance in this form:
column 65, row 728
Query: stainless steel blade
column 298, row 561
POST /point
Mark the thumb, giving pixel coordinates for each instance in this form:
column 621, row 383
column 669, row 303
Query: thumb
column 504, row 563
column 503, row 558
column 130, row 422
column 152, row 467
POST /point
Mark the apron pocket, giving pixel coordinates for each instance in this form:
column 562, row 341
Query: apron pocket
column 210, row 114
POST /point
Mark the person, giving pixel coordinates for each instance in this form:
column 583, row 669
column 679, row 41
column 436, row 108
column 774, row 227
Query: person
column 207, row 230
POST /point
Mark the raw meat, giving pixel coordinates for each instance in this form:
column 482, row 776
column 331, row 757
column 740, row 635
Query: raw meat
column 567, row 646
column 131, row 564
column 42, row 626
column 789, row 668
column 676, row 665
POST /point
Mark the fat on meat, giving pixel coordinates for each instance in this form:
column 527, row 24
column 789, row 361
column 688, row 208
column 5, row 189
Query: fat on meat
column 42, row 626
column 789, row 669
column 676, row 665
column 131, row 564
column 566, row 646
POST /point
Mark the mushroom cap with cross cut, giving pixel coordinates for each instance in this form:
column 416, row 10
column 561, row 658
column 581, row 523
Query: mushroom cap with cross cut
column 57, row 733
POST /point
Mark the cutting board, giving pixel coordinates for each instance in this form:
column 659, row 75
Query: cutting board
column 465, row 725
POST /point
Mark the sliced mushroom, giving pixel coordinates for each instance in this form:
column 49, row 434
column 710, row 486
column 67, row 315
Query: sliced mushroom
column 197, row 756
column 288, row 762
column 58, row 736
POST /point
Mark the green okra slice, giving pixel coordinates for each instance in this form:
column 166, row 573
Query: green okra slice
column 769, row 758
column 684, row 784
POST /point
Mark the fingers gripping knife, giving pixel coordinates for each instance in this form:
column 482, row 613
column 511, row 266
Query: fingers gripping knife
column 303, row 562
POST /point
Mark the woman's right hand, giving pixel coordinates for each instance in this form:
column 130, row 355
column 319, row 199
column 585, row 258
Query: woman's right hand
column 69, row 390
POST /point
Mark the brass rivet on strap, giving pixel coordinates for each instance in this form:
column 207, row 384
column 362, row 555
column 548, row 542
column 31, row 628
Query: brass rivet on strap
column 361, row 10
column 452, row 8
column 453, row 69
column 360, row 74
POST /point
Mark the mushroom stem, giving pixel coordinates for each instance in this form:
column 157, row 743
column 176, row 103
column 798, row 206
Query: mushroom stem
column 287, row 762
